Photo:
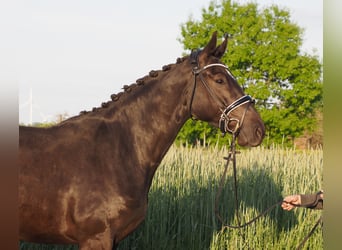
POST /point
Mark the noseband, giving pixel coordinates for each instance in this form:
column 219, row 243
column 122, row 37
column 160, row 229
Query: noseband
column 226, row 110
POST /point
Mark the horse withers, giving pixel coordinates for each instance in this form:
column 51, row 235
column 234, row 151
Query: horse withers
column 86, row 180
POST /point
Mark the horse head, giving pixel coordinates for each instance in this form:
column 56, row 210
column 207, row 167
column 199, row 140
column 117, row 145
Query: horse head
column 218, row 99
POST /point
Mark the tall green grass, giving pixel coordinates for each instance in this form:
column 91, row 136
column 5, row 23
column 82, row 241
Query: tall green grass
column 182, row 196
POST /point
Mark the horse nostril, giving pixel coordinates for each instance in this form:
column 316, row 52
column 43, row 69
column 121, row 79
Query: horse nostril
column 259, row 132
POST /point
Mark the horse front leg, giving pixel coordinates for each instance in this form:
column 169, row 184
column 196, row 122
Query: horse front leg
column 102, row 241
column 115, row 246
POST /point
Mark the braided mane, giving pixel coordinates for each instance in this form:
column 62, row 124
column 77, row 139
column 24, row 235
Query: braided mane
column 139, row 82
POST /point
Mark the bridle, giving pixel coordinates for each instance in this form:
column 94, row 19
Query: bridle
column 225, row 119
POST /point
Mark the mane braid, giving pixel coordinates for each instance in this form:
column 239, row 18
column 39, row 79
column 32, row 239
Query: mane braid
column 129, row 88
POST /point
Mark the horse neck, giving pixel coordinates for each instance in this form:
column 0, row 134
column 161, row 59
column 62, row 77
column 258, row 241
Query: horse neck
column 149, row 117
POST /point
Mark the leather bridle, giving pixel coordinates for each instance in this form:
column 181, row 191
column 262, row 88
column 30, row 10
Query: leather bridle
column 226, row 120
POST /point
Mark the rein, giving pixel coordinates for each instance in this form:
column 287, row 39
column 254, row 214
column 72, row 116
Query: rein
column 232, row 158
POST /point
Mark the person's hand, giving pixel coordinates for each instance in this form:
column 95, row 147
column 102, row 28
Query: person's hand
column 290, row 201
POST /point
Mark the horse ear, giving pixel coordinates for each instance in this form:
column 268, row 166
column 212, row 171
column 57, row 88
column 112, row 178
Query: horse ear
column 211, row 46
column 212, row 50
column 221, row 49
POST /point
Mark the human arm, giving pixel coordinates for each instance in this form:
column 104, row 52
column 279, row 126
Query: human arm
column 313, row 201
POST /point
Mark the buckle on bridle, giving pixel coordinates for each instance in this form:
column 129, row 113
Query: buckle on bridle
column 225, row 120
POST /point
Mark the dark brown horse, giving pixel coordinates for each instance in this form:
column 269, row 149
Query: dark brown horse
column 86, row 180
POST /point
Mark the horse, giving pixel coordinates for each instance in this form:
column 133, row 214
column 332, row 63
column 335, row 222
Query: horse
column 86, row 180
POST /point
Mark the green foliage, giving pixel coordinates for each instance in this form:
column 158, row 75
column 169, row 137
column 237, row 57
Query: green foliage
column 39, row 124
column 44, row 125
column 264, row 55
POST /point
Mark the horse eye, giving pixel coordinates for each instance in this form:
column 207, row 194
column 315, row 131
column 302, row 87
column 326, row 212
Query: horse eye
column 219, row 81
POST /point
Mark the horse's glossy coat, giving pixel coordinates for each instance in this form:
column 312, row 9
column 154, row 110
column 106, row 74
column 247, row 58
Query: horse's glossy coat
column 86, row 180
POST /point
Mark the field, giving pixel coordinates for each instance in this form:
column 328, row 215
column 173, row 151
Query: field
column 182, row 196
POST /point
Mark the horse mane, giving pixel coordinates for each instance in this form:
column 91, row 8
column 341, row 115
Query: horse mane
column 129, row 88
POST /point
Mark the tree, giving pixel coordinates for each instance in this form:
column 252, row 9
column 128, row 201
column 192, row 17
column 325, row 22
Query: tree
column 264, row 55
column 59, row 118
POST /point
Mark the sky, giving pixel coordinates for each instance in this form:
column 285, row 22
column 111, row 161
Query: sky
column 71, row 55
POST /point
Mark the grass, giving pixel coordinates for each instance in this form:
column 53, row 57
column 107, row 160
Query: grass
column 182, row 197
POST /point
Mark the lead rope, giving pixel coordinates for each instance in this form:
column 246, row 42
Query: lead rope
column 232, row 157
column 319, row 221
